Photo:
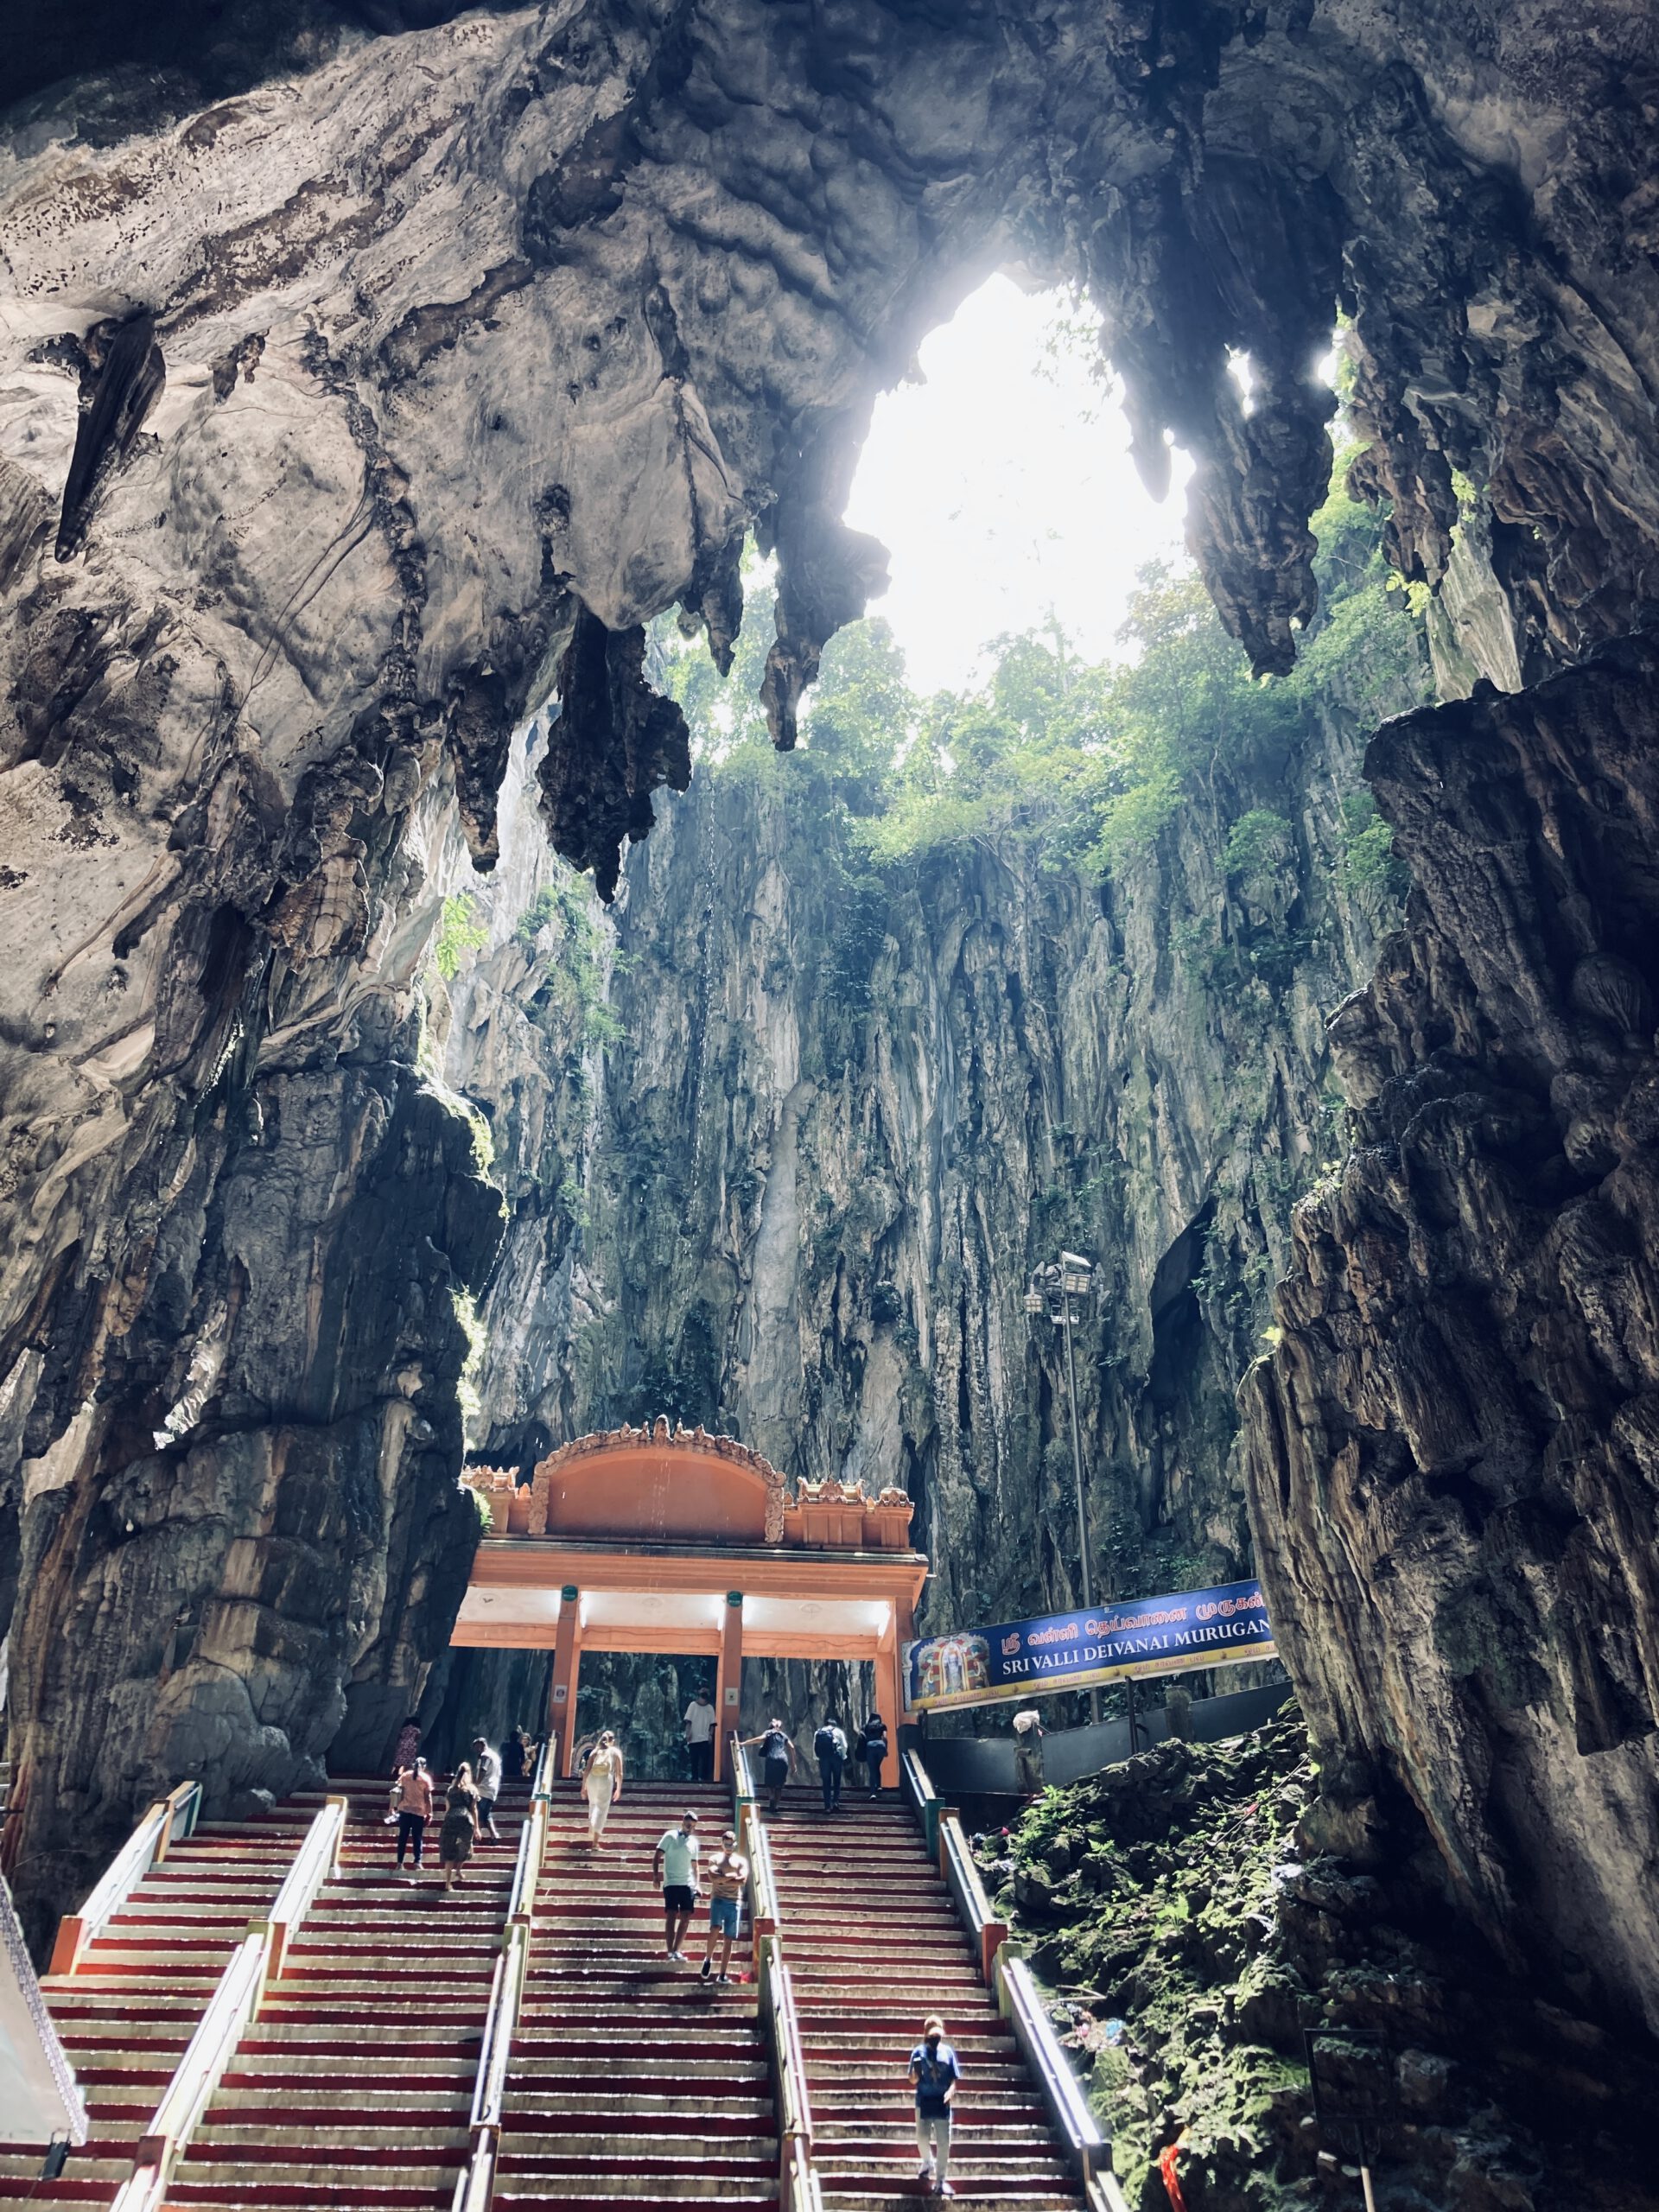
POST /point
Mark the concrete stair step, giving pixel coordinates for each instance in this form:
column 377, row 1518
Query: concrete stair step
column 562, row 2109
column 527, row 2186
column 729, row 2153
column 571, row 2193
column 536, row 2066
column 216, row 2141
column 881, row 2194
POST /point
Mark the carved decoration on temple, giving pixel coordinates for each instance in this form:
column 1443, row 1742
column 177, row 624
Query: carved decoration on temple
column 831, row 1513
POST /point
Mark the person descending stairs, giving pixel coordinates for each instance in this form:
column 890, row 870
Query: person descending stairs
column 631, row 2080
column 875, row 1945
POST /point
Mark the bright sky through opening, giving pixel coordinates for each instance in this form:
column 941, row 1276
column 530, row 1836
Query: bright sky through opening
column 1003, row 490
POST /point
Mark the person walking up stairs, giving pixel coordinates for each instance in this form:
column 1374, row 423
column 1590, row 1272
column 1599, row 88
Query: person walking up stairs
column 874, row 1945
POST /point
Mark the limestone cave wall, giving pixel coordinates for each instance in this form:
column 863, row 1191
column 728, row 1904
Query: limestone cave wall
column 1452, row 1471
column 784, row 1135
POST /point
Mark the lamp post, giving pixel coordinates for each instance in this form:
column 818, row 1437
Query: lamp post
column 1050, row 1291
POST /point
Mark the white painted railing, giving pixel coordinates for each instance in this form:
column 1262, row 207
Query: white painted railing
column 232, row 2009
column 1016, row 1993
column 475, row 2183
column 169, row 1820
column 316, row 1861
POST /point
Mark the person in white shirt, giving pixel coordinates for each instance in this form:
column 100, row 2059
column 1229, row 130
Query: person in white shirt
column 674, row 1864
column 487, row 1774
column 700, row 1718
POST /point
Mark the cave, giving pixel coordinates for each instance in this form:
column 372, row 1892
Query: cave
column 437, row 1020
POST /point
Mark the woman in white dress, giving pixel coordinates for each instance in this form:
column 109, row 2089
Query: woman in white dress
column 601, row 1785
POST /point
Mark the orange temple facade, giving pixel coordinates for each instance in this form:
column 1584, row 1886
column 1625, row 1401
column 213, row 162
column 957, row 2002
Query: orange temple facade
column 651, row 1539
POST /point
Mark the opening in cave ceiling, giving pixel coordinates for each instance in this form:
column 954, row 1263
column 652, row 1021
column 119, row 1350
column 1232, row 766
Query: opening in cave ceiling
column 1000, row 482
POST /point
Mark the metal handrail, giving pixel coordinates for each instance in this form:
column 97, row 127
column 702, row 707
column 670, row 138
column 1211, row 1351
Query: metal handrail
column 1035, row 2033
column 763, row 1882
column 547, row 1767
column 506, row 1995
column 233, row 2006
column 231, row 2009
column 743, row 1789
column 169, row 1820
column 781, row 2025
column 914, row 1781
column 315, row 1862
column 475, row 2183
column 957, row 1862
column 527, row 1869
column 1103, row 2194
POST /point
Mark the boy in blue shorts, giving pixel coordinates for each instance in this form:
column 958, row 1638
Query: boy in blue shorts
column 727, row 1872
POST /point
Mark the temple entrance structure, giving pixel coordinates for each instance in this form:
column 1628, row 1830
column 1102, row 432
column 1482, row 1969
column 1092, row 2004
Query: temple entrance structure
column 642, row 1539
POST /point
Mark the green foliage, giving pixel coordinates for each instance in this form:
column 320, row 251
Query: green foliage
column 461, row 930
column 1257, row 841
column 572, row 999
column 1368, row 867
column 1089, row 765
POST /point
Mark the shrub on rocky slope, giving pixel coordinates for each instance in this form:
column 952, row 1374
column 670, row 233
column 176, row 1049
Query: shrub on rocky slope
column 1189, row 1928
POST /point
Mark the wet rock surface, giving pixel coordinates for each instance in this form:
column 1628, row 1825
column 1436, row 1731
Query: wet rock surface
column 1190, row 1920
column 1452, row 1477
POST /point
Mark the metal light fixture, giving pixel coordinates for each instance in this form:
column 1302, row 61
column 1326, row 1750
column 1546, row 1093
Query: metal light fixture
column 1054, row 1288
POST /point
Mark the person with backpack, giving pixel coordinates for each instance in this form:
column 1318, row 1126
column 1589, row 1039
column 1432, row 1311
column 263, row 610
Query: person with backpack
column 872, row 1749
column 777, row 1761
column 935, row 2076
column 829, row 1749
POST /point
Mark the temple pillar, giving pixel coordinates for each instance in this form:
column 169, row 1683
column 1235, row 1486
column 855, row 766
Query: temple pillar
column 729, row 1678
column 890, row 1676
column 567, row 1668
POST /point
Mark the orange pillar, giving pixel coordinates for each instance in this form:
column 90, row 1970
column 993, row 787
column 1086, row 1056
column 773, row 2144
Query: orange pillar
column 890, row 1680
column 567, row 1666
column 729, row 1678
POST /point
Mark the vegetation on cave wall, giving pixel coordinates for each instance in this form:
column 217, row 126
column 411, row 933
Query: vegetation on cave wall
column 1090, row 764
column 1188, row 1919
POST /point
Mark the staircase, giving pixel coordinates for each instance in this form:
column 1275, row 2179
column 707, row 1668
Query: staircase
column 352, row 2089
column 125, row 2019
column 875, row 1945
column 630, row 2081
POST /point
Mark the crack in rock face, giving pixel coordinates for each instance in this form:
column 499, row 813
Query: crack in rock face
column 364, row 392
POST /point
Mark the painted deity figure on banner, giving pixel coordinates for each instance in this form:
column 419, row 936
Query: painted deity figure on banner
column 951, row 1666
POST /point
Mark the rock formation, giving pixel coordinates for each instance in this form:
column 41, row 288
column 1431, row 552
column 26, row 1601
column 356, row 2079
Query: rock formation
column 1453, row 1468
column 366, row 384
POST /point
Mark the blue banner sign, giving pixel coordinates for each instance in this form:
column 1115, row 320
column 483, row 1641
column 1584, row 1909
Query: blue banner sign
column 1068, row 1651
